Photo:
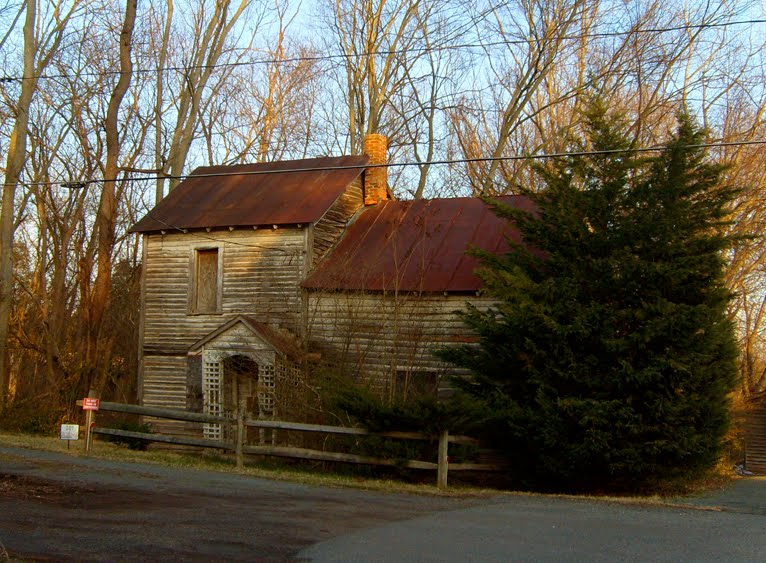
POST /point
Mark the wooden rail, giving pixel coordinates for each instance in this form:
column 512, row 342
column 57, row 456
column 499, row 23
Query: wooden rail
column 441, row 465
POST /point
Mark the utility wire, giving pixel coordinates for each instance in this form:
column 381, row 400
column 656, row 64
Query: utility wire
column 78, row 184
column 418, row 50
column 211, row 238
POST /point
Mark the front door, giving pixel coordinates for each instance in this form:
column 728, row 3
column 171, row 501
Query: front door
column 240, row 382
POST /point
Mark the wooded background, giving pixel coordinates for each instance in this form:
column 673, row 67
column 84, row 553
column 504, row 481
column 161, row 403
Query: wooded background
column 105, row 105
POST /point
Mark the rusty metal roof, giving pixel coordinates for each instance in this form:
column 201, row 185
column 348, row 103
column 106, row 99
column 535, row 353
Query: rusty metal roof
column 273, row 193
column 416, row 245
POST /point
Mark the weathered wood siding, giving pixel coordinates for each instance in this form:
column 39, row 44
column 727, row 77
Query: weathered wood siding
column 240, row 340
column 164, row 385
column 260, row 273
column 376, row 335
column 755, row 437
column 328, row 230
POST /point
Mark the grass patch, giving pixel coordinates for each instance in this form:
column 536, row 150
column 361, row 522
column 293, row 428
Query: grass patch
column 713, row 479
column 267, row 468
column 360, row 477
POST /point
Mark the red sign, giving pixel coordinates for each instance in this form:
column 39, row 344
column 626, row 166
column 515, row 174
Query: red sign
column 90, row 404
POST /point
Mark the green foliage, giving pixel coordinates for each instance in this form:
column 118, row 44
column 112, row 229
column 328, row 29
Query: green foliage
column 424, row 414
column 131, row 426
column 609, row 358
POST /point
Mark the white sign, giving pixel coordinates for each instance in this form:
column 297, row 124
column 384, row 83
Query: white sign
column 70, row 431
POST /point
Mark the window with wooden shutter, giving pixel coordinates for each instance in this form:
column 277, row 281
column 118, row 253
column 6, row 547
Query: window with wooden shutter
column 206, row 281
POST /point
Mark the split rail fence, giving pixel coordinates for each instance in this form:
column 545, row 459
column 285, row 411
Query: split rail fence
column 240, row 448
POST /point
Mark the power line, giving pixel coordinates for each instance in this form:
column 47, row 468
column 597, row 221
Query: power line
column 521, row 157
column 78, row 184
column 418, row 50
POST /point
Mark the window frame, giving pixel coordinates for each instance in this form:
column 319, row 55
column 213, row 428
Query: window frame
column 193, row 293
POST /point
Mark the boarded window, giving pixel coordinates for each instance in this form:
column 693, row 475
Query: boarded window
column 206, row 281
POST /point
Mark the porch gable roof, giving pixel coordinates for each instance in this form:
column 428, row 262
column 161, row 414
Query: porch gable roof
column 281, row 344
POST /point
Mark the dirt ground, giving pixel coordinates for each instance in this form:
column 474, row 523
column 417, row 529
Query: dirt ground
column 57, row 507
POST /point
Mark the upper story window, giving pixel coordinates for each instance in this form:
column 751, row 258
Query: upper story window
column 206, row 281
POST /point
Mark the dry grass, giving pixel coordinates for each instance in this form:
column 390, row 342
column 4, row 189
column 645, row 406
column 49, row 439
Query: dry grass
column 214, row 462
column 659, row 493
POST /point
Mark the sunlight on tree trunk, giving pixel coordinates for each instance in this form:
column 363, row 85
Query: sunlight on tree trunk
column 107, row 210
column 37, row 54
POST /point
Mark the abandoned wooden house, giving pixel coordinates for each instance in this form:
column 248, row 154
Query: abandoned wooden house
column 254, row 273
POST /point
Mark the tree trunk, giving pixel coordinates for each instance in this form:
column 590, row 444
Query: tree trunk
column 205, row 60
column 107, row 210
column 14, row 164
column 159, row 161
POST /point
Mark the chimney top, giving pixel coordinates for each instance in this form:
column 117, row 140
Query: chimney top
column 376, row 178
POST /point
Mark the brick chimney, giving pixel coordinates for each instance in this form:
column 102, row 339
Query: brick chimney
column 376, row 179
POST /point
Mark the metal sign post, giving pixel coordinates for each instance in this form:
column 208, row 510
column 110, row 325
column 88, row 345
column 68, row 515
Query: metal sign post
column 70, row 432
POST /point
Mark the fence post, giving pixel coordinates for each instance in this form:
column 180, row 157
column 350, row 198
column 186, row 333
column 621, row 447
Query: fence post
column 443, row 461
column 241, row 434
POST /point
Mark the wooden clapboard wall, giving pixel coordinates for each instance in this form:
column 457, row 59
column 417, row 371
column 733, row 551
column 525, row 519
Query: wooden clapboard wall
column 755, row 435
column 329, row 229
column 260, row 271
column 380, row 336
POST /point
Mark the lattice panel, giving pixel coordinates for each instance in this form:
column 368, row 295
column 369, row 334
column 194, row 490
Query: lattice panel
column 266, row 388
column 212, row 390
column 291, row 374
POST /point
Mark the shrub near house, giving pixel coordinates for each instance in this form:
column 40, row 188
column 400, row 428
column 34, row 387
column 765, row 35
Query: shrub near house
column 609, row 358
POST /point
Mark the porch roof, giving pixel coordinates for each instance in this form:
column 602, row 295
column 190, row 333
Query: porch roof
column 280, row 342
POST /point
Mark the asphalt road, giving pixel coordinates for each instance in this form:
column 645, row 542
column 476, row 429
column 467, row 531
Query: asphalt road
column 57, row 507
column 551, row 529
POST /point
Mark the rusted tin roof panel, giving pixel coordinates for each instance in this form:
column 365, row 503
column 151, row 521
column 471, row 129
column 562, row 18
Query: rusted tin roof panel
column 416, row 246
column 274, row 193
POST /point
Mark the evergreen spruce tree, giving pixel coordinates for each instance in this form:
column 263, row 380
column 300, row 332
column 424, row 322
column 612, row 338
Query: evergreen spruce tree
column 609, row 358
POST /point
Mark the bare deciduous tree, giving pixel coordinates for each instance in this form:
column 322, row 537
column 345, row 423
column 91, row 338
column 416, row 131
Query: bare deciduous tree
column 210, row 41
column 104, row 228
column 43, row 33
